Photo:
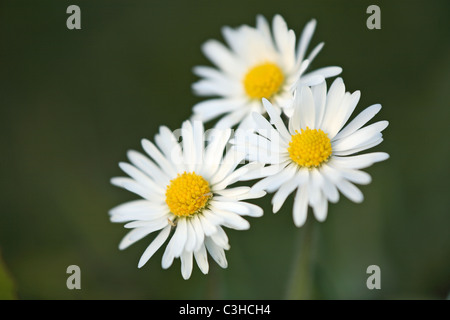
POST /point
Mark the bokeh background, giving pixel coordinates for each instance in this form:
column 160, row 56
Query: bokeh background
column 72, row 102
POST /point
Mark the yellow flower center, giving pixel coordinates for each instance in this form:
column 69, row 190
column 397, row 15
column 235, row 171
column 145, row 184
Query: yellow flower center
column 187, row 194
column 310, row 148
column 263, row 81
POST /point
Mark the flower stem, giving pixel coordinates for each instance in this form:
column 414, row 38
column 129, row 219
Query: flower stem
column 300, row 282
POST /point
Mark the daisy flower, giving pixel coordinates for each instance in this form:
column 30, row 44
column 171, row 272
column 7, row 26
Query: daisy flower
column 186, row 193
column 315, row 154
column 259, row 63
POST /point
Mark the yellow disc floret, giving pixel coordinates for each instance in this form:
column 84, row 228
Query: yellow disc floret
column 310, row 148
column 187, row 194
column 263, row 81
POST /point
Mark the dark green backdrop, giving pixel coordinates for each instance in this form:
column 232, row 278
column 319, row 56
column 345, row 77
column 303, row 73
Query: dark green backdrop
column 74, row 101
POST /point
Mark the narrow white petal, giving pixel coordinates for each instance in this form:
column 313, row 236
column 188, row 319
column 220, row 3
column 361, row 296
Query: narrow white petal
column 191, row 241
column 198, row 134
column 155, row 224
column 159, row 178
column 329, row 189
column 360, row 161
column 360, row 120
column 159, row 158
column 356, row 176
column 208, row 227
column 361, row 136
column 186, row 264
column 346, row 108
column 320, row 209
column 315, row 51
column 220, row 238
column 305, row 107
column 233, row 118
column 178, row 241
column 231, row 160
column 300, row 210
column 231, row 219
column 154, row 246
column 134, row 236
column 350, row 191
column 138, row 175
column 334, row 97
column 320, row 97
column 216, row 252
column 221, row 57
column 189, row 155
column 326, row 72
column 276, row 120
column 199, row 234
column 133, row 186
column 202, row 259
column 305, row 38
column 212, row 108
column 285, row 190
column 239, row 207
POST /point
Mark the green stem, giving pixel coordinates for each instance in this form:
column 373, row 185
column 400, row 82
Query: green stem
column 300, row 283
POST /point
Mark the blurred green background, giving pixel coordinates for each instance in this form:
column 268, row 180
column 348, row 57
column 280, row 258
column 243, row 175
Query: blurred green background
column 74, row 101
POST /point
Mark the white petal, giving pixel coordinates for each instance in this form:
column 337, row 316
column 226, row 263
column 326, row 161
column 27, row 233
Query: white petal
column 374, row 141
column 198, row 134
column 215, row 150
column 334, row 97
column 139, row 176
column 321, row 209
column 207, row 226
column 178, row 241
column 350, row 191
column 170, row 146
column 199, row 234
column 222, row 57
column 329, row 189
column 315, row 51
column 239, row 207
column 360, row 161
column 346, row 108
column 360, row 137
column 159, row 158
column 305, row 38
column 285, row 190
column 154, row 246
column 304, row 108
column 276, row 120
column 360, row 120
column 220, row 238
column 191, row 241
column 273, row 182
column 134, row 236
column 233, row 118
column 320, row 97
column 133, row 186
column 202, row 259
column 231, row 219
column 189, row 155
column 212, row 108
column 326, row 72
column 159, row 178
column 186, row 264
column 300, row 210
column 216, row 253
column 356, row 176
column 155, row 224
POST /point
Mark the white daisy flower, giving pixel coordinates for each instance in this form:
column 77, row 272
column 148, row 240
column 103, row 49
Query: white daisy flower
column 315, row 154
column 259, row 63
column 185, row 188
